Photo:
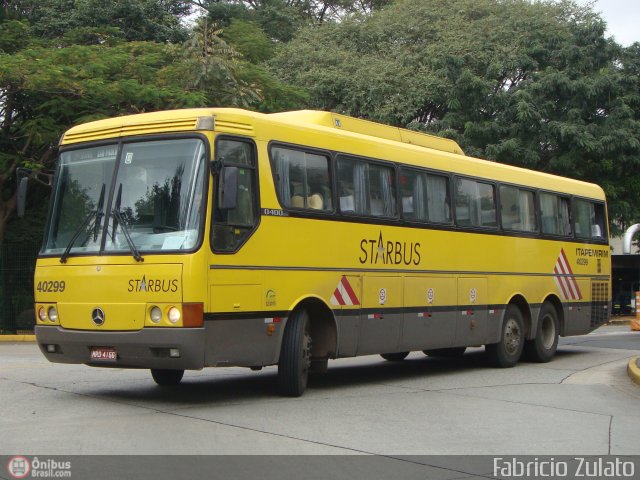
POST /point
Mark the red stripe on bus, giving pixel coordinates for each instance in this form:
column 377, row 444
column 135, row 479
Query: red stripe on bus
column 561, row 283
column 350, row 292
column 338, row 297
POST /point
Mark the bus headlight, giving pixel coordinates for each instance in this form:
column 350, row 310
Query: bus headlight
column 42, row 314
column 173, row 315
column 52, row 313
column 155, row 314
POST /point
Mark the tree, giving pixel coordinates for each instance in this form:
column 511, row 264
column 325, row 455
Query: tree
column 530, row 84
column 211, row 68
column 281, row 19
column 136, row 20
column 44, row 90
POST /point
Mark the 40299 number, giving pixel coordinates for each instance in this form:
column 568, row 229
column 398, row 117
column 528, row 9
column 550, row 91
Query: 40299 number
column 51, row 286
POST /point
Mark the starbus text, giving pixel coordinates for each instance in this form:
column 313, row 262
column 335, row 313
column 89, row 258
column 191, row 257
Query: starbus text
column 379, row 252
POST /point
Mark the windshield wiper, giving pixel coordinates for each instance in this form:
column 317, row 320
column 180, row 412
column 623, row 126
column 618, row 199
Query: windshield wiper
column 97, row 214
column 117, row 219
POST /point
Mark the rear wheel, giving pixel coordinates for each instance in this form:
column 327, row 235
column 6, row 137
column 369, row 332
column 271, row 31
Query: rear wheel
column 451, row 352
column 508, row 350
column 166, row 377
column 394, row 357
column 295, row 355
column 543, row 347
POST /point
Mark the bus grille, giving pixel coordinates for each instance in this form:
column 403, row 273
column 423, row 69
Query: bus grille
column 599, row 303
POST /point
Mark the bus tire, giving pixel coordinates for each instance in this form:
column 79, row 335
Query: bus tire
column 450, row 352
column 165, row 377
column 394, row 357
column 508, row 350
column 543, row 347
column 295, row 355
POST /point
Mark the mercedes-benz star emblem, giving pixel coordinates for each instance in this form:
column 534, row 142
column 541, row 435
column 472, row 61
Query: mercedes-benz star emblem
column 98, row 316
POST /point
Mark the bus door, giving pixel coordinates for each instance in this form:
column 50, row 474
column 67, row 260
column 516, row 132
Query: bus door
column 473, row 303
column 429, row 318
column 381, row 314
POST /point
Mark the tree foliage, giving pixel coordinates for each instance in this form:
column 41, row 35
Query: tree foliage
column 49, row 84
column 531, row 84
column 282, row 19
column 136, row 20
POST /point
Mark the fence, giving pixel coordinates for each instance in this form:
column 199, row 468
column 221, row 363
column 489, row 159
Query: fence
column 17, row 265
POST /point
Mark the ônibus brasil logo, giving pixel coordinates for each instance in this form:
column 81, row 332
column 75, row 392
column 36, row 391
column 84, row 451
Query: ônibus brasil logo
column 19, row 467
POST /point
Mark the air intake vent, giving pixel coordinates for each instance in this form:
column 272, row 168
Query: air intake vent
column 178, row 125
column 599, row 303
column 229, row 126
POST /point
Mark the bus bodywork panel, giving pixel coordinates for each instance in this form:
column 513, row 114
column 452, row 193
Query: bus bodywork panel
column 412, row 288
column 122, row 292
column 146, row 348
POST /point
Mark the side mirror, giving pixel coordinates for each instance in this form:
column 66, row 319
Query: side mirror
column 228, row 188
column 21, row 196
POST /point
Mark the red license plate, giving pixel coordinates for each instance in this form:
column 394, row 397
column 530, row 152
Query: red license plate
column 103, row 354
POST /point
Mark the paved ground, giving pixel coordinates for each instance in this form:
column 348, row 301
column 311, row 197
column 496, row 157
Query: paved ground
column 581, row 403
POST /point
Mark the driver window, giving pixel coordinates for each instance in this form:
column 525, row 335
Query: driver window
column 233, row 226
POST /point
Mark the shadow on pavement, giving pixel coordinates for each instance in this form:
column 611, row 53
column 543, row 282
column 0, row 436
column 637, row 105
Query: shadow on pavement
column 241, row 387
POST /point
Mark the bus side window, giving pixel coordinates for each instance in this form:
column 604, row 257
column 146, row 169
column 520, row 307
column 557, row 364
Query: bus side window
column 233, row 226
column 554, row 210
column 438, row 198
column 425, row 197
column 366, row 188
column 351, row 192
column 302, row 179
column 381, row 190
column 599, row 226
column 475, row 203
column 517, row 211
column 589, row 219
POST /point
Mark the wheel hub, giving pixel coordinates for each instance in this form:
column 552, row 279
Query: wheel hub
column 512, row 336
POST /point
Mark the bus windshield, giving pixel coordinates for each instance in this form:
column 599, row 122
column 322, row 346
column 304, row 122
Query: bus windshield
column 156, row 198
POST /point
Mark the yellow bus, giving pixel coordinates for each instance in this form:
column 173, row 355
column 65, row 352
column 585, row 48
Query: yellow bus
column 193, row 238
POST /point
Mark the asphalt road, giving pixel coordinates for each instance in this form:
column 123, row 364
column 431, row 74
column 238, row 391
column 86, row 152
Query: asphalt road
column 580, row 403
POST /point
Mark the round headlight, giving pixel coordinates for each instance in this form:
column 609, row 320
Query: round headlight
column 173, row 315
column 155, row 314
column 52, row 313
column 42, row 314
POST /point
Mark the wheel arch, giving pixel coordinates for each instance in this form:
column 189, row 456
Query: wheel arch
column 322, row 324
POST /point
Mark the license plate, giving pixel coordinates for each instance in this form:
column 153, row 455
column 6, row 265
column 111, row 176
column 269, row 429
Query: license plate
column 103, row 354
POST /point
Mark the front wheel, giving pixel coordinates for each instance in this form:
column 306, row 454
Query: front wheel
column 166, row 377
column 543, row 347
column 394, row 357
column 295, row 355
column 508, row 350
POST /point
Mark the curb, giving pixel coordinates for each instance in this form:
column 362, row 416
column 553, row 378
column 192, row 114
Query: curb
column 17, row 338
column 634, row 370
column 618, row 322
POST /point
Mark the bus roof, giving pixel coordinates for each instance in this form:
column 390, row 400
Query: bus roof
column 445, row 154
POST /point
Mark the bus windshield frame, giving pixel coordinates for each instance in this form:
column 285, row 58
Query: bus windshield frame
column 155, row 195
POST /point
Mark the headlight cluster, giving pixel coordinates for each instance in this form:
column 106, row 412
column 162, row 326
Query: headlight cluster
column 164, row 315
column 47, row 314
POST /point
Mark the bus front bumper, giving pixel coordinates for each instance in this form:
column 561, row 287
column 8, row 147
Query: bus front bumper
column 162, row 348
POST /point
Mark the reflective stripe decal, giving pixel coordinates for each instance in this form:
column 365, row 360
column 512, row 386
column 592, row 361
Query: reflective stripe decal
column 344, row 294
column 564, row 278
